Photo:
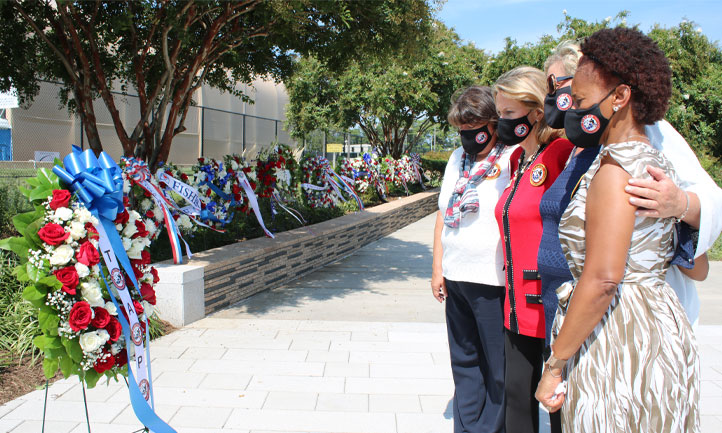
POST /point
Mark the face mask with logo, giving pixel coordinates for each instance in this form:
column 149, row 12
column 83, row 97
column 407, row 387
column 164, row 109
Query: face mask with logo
column 556, row 106
column 475, row 140
column 584, row 127
column 513, row 131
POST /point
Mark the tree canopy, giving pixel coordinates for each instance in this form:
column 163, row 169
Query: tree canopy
column 165, row 50
column 384, row 96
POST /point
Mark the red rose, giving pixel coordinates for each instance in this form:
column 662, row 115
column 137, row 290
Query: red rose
column 69, row 277
column 141, row 231
column 150, row 214
column 121, row 358
column 145, row 257
column 126, row 202
column 147, row 193
column 61, row 198
column 122, row 217
column 104, row 363
column 201, row 160
column 101, row 319
column 80, row 316
column 154, row 272
column 87, row 254
column 138, row 274
column 147, row 292
column 281, row 159
column 163, row 184
column 92, row 232
column 53, row 234
column 114, row 328
column 138, row 307
column 184, row 177
column 246, row 170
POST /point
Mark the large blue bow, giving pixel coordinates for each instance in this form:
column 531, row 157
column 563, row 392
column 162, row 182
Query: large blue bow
column 97, row 181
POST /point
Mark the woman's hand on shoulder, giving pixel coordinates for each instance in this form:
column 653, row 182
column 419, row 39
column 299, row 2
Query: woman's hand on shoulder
column 658, row 196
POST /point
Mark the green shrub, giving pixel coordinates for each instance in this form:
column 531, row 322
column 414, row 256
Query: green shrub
column 435, row 162
column 715, row 253
column 12, row 202
column 18, row 324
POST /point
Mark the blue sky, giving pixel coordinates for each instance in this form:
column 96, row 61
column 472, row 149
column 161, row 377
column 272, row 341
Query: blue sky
column 488, row 22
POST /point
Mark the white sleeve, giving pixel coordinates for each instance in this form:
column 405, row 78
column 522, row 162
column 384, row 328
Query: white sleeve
column 693, row 178
column 451, row 175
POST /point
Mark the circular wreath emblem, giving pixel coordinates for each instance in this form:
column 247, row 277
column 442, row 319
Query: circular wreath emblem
column 481, row 137
column 564, row 101
column 538, row 175
column 494, row 172
column 136, row 334
column 117, row 278
column 144, row 389
column 521, row 130
column 590, row 124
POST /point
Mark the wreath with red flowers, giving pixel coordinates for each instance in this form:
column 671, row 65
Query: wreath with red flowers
column 79, row 332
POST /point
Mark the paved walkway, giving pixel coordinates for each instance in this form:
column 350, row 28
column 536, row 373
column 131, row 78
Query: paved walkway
column 359, row 346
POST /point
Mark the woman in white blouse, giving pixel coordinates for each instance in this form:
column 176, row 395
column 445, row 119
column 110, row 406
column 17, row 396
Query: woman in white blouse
column 468, row 262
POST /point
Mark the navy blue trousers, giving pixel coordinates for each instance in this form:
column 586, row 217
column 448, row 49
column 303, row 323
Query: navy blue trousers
column 475, row 324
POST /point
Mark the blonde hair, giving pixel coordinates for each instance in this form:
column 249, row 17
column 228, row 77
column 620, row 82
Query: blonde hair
column 568, row 53
column 528, row 86
column 474, row 104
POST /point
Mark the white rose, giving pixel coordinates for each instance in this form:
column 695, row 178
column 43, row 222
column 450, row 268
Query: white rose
column 93, row 340
column 137, row 246
column 148, row 308
column 127, row 242
column 234, row 165
column 82, row 270
column 146, row 204
column 91, row 292
column 110, row 307
column 62, row 255
column 63, row 213
column 115, row 349
column 77, row 230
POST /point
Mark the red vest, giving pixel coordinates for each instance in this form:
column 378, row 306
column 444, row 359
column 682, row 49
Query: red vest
column 520, row 224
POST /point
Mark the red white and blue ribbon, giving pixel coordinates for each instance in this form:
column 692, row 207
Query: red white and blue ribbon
column 139, row 174
column 253, row 200
column 98, row 183
column 416, row 166
column 337, row 182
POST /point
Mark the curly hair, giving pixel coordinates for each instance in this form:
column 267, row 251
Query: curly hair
column 474, row 104
column 625, row 55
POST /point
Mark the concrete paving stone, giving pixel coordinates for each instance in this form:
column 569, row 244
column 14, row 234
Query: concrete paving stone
column 211, row 397
column 188, row 332
column 411, row 371
column 218, row 321
column 336, row 325
column 175, row 379
column 391, row 358
column 709, row 424
column 344, row 369
column 257, row 355
column 369, row 336
column 332, row 422
column 236, row 342
column 441, row 358
column 382, row 346
column 128, row 418
column 67, row 411
column 420, row 327
column 50, row 426
column 310, row 345
column 315, row 335
column 324, row 356
column 7, row 425
column 245, row 332
column 360, row 385
column 9, row 406
column 710, row 373
column 394, row 403
column 165, row 364
column 252, row 367
column 711, row 406
column 296, row 383
column 55, row 391
column 204, row 417
column 166, row 352
column 204, row 353
column 290, row 400
column 709, row 388
column 336, row 402
column 437, row 404
column 423, row 423
column 233, row 381
column 100, row 393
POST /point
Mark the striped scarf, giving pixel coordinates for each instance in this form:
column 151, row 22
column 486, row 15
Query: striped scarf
column 464, row 198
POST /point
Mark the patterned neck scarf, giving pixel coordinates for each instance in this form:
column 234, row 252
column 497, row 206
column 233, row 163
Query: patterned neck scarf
column 464, row 198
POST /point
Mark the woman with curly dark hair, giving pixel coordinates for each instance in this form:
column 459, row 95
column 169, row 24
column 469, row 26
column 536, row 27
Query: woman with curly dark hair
column 620, row 337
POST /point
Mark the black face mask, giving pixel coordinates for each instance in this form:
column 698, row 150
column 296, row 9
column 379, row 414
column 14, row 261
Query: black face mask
column 475, row 140
column 513, row 131
column 584, row 127
column 556, row 106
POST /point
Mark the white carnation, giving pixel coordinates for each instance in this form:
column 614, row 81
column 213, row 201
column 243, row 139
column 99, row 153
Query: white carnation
column 62, row 255
column 201, row 176
column 158, row 213
column 82, row 270
column 93, row 340
column 77, row 230
column 127, row 242
column 83, row 215
column 222, row 174
column 184, row 222
column 227, row 188
column 63, row 213
column 130, row 229
column 146, row 204
column 137, row 247
column 110, row 307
